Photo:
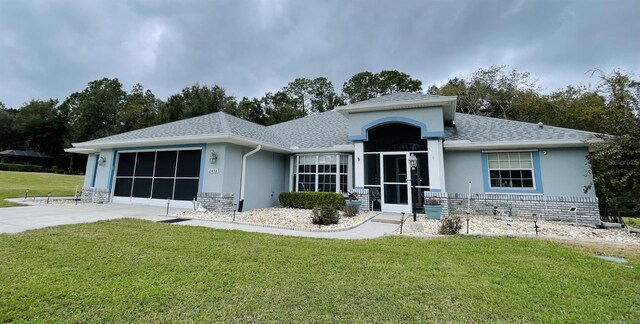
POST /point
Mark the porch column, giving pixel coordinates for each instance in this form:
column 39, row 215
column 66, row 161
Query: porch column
column 436, row 165
column 358, row 166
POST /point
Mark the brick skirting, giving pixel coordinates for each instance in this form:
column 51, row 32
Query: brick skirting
column 216, row 201
column 553, row 208
column 95, row 195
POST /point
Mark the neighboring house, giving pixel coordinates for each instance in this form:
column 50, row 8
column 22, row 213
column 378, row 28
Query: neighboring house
column 510, row 167
column 25, row 157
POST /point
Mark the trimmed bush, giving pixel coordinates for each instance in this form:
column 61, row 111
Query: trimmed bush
column 325, row 216
column 349, row 211
column 450, row 225
column 310, row 200
column 20, row 167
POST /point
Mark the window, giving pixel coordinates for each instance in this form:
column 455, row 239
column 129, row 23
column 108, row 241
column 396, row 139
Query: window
column 323, row 173
column 510, row 170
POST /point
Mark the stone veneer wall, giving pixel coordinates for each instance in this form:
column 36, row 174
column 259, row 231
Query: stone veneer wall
column 545, row 207
column 95, row 195
column 363, row 196
column 216, row 201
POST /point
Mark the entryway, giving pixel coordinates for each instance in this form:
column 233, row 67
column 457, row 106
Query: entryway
column 387, row 172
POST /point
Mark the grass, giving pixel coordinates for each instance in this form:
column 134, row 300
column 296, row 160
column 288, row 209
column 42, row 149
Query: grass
column 14, row 184
column 136, row 271
column 632, row 221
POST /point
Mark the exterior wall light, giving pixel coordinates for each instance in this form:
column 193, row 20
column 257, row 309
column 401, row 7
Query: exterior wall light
column 413, row 161
column 102, row 160
column 213, row 158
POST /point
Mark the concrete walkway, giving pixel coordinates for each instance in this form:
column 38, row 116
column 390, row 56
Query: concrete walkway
column 370, row 229
column 22, row 218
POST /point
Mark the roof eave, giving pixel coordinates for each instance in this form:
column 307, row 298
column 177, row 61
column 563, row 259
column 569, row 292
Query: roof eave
column 333, row 149
column 180, row 140
column 465, row 145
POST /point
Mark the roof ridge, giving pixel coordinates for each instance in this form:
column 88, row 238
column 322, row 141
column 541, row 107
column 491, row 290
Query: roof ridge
column 223, row 122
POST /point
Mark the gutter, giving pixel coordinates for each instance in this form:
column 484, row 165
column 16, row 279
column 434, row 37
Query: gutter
column 243, row 176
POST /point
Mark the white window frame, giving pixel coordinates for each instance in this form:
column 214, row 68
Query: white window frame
column 338, row 162
column 508, row 161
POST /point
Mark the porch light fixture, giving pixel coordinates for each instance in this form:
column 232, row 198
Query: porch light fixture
column 102, row 160
column 213, row 158
column 413, row 162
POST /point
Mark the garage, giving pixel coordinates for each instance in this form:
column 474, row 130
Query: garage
column 152, row 177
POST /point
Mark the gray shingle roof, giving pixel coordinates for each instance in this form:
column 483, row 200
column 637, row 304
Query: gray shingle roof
column 486, row 129
column 316, row 131
column 398, row 97
column 211, row 124
column 325, row 130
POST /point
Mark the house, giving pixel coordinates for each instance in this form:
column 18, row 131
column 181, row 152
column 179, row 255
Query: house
column 509, row 167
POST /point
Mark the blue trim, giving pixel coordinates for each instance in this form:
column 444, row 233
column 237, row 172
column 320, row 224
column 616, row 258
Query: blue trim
column 435, row 190
column 95, row 170
column 203, row 160
column 394, row 119
column 537, row 174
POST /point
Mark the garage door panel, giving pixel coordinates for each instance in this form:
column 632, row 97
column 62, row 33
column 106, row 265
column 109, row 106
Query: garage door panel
column 141, row 188
column 144, row 164
column 162, row 188
column 166, row 164
column 123, row 187
column 188, row 164
column 126, row 163
column 186, row 189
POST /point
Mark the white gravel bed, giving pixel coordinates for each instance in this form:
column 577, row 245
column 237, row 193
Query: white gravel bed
column 487, row 225
column 286, row 217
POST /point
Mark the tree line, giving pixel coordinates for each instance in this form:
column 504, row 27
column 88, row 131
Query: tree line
column 103, row 108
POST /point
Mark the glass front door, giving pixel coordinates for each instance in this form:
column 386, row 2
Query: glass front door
column 396, row 195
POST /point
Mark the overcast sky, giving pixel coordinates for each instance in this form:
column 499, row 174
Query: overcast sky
column 49, row 49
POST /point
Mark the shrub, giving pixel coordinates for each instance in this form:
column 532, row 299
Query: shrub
column 20, row 167
column 432, row 202
column 325, row 216
column 309, row 200
column 349, row 211
column 450, row 225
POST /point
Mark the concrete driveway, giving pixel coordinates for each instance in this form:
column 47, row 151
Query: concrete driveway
column 18, row 219
column 22, row 218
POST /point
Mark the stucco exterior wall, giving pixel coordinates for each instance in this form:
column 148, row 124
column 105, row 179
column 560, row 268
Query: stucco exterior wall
column 90, row 170
column 213, row 175
column 265, row 179
column 104, row 171
column 565, row 172
column 460, row 167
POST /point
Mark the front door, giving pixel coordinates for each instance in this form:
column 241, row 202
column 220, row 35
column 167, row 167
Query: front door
column 395, row 191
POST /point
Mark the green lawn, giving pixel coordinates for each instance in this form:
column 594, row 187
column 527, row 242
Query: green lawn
column 14, row 184
column 632, row 221
column 137, row 271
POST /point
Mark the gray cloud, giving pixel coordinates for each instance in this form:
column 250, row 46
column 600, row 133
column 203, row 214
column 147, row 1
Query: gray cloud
column 49, row 49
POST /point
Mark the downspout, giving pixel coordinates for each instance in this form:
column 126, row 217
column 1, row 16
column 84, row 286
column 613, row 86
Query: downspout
column 243, row 176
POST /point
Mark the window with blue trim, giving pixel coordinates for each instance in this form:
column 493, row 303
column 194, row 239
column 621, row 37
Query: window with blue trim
column 511, row 170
